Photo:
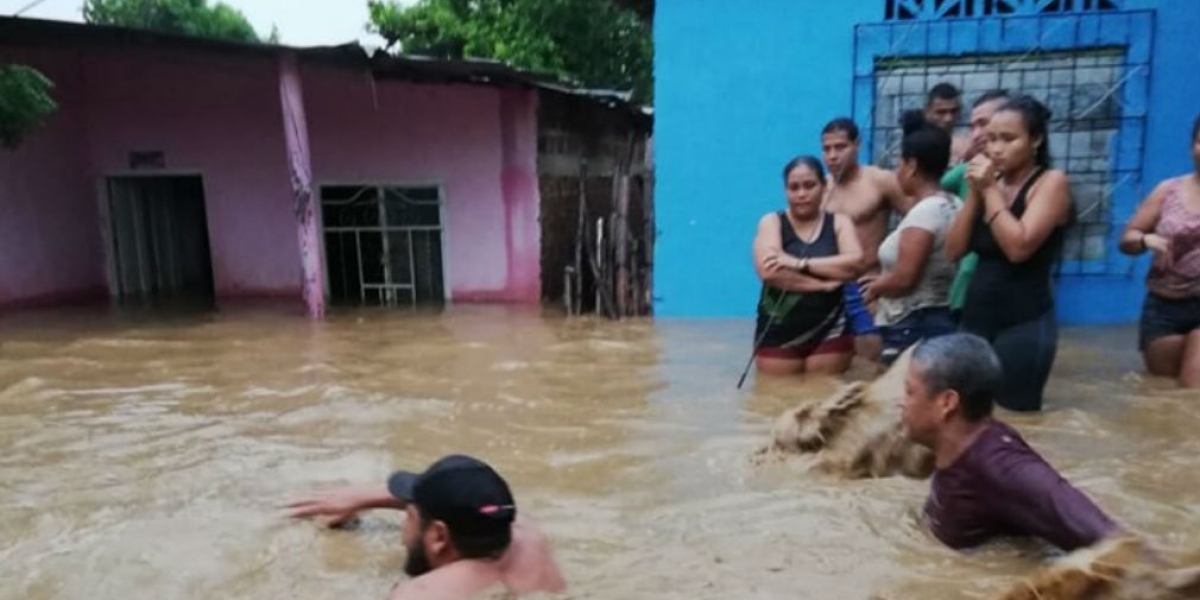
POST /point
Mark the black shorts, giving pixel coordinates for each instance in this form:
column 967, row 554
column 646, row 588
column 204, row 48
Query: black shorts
column 1163, row 317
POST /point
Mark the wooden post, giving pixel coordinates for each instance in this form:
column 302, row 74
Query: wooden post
column 568, row 294
column 635, row 280
column 599, row 272
column 621, row 243
column 599, row 254
column 580, row 236
column 650, row 233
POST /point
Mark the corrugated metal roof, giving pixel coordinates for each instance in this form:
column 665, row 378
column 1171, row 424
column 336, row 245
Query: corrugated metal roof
column 59, row 34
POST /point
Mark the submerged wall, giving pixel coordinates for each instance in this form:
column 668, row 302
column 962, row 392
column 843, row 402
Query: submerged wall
column 477, row 143
column 49, row 234
column 219, row 117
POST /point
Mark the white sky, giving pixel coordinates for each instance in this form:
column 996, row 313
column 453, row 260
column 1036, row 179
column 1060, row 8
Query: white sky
column 300, row 22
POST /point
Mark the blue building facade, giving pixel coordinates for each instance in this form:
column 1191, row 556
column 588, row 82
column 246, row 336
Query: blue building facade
column 741, row 87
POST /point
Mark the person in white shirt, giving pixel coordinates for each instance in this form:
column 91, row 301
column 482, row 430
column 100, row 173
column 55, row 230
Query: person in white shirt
column 913, row 285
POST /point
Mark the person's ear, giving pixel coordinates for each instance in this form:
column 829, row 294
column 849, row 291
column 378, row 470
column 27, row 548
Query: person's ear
column 948, row 403
column 436, row 539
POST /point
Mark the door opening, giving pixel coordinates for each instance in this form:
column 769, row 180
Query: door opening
column 159, row 248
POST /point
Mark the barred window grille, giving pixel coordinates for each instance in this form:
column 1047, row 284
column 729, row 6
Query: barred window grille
column 1092, row 70
column 1078, row 88
column 911, row 10
column 383, row 244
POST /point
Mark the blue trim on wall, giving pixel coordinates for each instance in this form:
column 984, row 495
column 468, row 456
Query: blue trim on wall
column 741, row 88
column 1130, row 32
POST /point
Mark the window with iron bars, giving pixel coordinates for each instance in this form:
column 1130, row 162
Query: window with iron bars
column 908, row 10
column 1080, row 88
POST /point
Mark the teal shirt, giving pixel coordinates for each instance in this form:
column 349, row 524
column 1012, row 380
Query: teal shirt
column 955, row 182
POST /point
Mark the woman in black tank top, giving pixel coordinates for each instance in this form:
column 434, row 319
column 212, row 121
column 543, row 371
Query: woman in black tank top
column 803, row 255
column 1014, row 219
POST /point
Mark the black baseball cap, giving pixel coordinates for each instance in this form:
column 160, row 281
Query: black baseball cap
column 463, row 492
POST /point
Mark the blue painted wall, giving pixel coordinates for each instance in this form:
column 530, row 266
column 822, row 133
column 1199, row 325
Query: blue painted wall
column 741, row 87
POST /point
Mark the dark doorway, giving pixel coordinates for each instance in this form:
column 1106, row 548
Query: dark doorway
column 159, row 232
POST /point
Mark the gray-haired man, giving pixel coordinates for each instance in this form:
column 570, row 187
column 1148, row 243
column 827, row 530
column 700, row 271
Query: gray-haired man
column 988, row 481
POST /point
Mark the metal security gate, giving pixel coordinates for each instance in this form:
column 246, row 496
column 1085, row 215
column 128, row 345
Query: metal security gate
column 1089, row 62
column 383, row 245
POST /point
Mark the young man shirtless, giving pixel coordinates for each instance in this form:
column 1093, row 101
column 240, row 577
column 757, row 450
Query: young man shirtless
column 867, row 195
column 462, row 533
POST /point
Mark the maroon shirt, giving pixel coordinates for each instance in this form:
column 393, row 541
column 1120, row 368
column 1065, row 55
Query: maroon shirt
column 1001, row 486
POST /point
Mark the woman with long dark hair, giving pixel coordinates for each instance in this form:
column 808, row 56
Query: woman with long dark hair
column 1014, row 218
column 1168, row 225
column 803, row 255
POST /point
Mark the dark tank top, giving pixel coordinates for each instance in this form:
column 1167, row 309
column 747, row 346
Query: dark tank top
column 1004, row 293
column 800, row 309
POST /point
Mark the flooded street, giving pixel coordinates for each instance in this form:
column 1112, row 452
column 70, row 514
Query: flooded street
column 147, row 458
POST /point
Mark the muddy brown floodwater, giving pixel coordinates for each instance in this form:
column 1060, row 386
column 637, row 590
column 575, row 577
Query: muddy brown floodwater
column 146, row 457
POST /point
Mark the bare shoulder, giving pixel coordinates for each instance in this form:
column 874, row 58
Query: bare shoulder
column 528, row 542
column 841, row 222
column 1158, row 195
column 411, row 589
column 1167, row 185
column 1053, row 182
column 887, row 185
column 529, row 564
column 770, row 218
column 880, row 177
column 1055, row 176
column 455, row 581
column 527, row 529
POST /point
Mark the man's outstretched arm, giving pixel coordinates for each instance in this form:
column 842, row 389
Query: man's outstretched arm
column 335, row 507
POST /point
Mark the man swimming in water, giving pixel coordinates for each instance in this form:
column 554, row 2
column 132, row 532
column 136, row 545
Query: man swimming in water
column 987, row 481
column 867, row 195
column 462, row 532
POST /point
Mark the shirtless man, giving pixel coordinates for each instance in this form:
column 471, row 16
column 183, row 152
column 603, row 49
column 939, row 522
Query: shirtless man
column 943, row 108
column 462, row 532
column 866, row 194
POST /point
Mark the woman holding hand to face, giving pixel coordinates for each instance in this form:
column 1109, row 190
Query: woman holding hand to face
column 1015, row 216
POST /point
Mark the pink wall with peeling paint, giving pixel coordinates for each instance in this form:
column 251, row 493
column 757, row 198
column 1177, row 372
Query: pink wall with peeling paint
column 455, row 136
column 518, row 128
column 49, row 237
column 220, row 117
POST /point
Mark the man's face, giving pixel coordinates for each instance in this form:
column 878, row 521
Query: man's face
column 944, row 113
column 981, row 116
column 838, row 152
column 417, row 562
column 922, row 412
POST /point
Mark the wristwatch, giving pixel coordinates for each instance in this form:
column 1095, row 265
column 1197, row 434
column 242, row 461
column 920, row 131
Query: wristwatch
column 804, row 265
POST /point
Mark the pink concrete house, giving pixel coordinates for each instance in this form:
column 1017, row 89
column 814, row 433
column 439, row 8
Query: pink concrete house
column 179, row 166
